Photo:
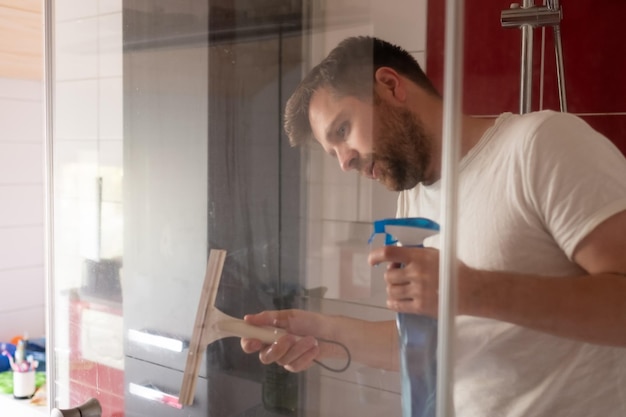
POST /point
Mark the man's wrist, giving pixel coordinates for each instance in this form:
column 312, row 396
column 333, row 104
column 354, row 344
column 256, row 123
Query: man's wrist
column 473, row 297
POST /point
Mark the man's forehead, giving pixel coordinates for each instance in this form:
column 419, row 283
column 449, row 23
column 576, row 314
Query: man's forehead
column 322, row 96
column 327, row 102
column 323, row 108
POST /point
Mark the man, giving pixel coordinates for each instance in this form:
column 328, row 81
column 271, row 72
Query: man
column 541, row 329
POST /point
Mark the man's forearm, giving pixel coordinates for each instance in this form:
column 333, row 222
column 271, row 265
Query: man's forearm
column 373, row 344
column 589, row 308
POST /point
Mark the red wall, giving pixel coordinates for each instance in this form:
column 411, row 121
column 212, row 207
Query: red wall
column 594, row 52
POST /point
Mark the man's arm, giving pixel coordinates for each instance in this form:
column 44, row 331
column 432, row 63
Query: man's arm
column 590, row 308
column 371, row 343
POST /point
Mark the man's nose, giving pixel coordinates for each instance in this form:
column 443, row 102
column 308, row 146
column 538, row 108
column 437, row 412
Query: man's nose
column 347, row 159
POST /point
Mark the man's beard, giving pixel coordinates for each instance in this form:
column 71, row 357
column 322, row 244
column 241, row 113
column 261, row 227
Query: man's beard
column 402, row 148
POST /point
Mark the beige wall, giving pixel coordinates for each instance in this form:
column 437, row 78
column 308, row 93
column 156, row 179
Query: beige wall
column 21, row 39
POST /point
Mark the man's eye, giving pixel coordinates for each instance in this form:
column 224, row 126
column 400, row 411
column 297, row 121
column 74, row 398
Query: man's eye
column 341, row 132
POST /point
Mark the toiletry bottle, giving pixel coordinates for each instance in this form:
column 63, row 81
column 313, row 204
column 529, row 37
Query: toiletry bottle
column 417, row 333
column 20, row 352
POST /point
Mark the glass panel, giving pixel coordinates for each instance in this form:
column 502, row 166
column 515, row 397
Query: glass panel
column 87, row 157
column 169, row 143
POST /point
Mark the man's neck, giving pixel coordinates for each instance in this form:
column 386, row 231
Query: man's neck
column 472, row 131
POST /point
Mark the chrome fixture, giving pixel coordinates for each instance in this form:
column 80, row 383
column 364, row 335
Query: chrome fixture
column 527, row 17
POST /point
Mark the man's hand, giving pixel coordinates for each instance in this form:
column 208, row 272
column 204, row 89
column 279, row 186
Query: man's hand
column 294, row 353
column 412, row 278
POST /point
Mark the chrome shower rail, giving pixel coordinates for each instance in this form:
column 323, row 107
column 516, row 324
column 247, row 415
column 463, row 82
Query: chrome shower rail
column 450, row 157
column 527, row 17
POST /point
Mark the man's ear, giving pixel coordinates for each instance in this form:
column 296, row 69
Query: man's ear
column 389, row 82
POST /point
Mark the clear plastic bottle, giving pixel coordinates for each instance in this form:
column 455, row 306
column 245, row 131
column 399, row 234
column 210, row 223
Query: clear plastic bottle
column 417, row 333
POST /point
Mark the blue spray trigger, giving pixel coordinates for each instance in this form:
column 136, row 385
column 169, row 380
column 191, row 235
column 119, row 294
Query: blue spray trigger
column 403, row 230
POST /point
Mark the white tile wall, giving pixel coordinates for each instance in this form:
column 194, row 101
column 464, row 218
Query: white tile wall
column 77, row 110
column 110, row 6
column 110, row 119
column 20, row 91
column 88, row 146
column 25, row 288
column 21, row 247
column 88, row 141
column 16, row 119
column 21, row 163
column 110, row 170
column 76, row 51
column 75, row 9
column 21, row 205
column 21, row 209
column 334, row 197
column 110, row 44
column 402, row 22
column 76, row 168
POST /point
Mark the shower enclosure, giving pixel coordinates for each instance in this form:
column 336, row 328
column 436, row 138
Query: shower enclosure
column 165, row 141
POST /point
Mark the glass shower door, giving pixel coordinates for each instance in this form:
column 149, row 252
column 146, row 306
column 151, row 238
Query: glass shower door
column 165, row 142
column 85, row 154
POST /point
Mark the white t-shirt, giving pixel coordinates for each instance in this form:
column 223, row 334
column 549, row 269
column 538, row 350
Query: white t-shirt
column 529, row 191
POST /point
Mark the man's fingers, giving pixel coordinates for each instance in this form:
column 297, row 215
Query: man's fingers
column 397, row 277
column 401, row 306
column 297, row 349
column 402, row 291
column 304, row 361
column 394, row 254
column 275, row 318
column 251, row 345
column 264, row 318
column 304, row 346
column 295, row 355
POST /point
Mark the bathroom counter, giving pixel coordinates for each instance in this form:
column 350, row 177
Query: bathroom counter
column 23, row 408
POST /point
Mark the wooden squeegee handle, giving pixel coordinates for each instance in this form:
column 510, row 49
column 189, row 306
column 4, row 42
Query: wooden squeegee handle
column 211, row 324
column 239, row 328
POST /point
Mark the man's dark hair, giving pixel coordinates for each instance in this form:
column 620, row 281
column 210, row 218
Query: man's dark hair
column 349, row 70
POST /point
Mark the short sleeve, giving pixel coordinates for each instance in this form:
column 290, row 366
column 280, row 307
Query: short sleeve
column 576, row 178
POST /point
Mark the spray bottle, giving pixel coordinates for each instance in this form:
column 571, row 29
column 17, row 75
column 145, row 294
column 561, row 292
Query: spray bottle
column 417, row 333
